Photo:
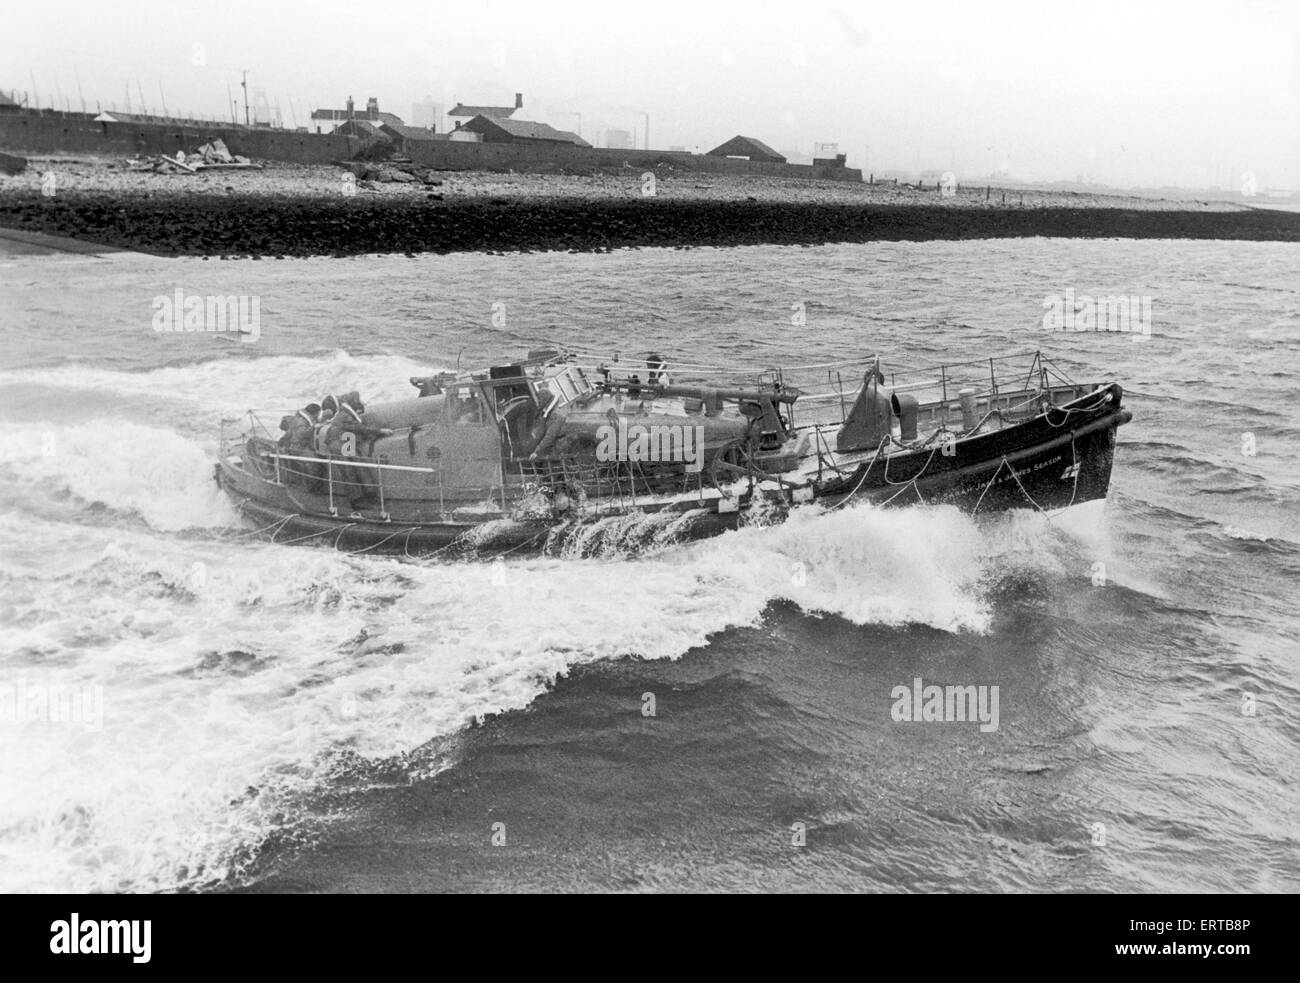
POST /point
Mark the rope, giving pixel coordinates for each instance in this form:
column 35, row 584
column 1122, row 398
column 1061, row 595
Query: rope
column 1023, row 490
column 871, row 464
column 979, row 500
column 242, row 506
column 1074, row 463
column 366, row 549
column 339, row 537
column 303, row 539
column 914, row 477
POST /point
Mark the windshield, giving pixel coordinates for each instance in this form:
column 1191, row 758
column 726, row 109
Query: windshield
column 567, row 385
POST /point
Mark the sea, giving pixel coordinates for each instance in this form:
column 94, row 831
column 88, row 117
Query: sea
column 187, row 707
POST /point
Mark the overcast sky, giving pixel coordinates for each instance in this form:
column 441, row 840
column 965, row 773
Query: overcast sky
column 1137, row 92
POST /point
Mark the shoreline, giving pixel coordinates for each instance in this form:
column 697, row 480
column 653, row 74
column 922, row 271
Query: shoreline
column 290, row 210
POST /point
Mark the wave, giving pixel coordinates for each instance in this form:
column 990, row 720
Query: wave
column 240, row 679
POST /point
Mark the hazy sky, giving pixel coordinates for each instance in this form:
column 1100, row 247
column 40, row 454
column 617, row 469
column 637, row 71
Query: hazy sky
column 1127, row 92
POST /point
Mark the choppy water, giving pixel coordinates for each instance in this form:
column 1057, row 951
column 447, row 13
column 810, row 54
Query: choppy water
column 288, row 718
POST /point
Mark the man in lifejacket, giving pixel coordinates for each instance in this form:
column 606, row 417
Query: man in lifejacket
column 657, row 370
column 329, row 406
column 299, row 428
column 348, row 436
column 299, row 431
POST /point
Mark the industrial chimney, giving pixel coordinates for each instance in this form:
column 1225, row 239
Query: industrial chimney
column 519, row 100
column 372, row 107
column 349, row 107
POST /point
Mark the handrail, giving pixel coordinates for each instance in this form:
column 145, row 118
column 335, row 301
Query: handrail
column 354, row 462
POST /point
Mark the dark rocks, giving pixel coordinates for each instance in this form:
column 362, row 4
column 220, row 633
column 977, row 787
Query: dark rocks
column 12, row 164
column 180, row 223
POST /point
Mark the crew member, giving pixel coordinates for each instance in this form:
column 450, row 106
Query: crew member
column 349, row 436
column 299, row 427
column 299, row 432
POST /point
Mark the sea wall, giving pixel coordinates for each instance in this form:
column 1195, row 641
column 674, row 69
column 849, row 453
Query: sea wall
column 65, row 133
column 448, row 155
column 179, row 223
column 77, row 133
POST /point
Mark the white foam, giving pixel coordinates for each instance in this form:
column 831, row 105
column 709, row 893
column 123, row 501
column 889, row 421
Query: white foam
column 155, row 473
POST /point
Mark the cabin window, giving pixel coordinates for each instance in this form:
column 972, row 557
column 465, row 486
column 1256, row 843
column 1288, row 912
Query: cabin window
column 465, row 406
column 567, row 385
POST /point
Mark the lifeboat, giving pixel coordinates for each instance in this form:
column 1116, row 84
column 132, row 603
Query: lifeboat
column 546, row 451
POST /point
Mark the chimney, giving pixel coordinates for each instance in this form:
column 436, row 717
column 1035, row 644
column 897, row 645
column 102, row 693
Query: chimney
column 519, row 100
column 349, row 107
column 372, row 107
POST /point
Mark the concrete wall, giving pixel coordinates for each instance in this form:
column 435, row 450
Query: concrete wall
column 53, row 133
column 75, row 133
column 549, row 158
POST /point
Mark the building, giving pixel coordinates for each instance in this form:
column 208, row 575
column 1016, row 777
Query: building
column 362, row 128
column 408, row 138
column 462, row 135
column 328, row 120
column 461, row 111
column 619, row 140
column 497, row 130
column 7, row 103
column 828, row 155
column 749, row 148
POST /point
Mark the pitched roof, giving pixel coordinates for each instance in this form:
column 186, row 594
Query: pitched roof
column 6, row 101
column 495, row 112
column 522, row 129
column 411, row 132
column 362, row 127
column 741, row 146
column 341, row 116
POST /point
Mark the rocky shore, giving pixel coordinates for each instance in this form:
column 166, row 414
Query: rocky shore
column 289, row 210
